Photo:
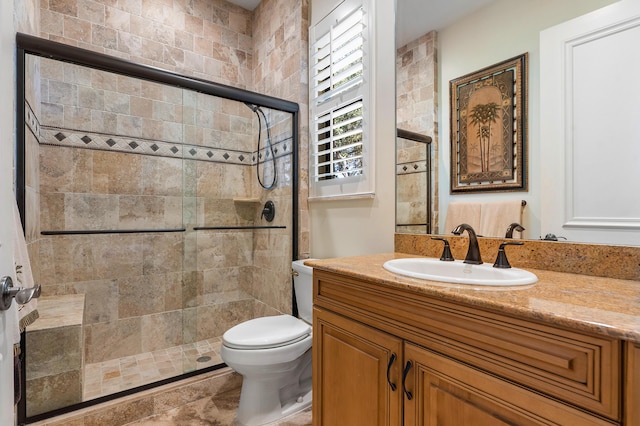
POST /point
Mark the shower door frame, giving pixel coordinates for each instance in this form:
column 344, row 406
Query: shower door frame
column 28, row 44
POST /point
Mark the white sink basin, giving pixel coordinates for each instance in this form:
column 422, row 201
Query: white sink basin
column 459, row 272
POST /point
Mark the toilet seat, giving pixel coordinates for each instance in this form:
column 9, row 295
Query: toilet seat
column 266, row 332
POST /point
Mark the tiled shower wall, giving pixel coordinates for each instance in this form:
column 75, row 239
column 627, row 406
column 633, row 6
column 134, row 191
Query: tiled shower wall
column 211, row 39
column 417, row 106
column 280, row 47
column 143, row 177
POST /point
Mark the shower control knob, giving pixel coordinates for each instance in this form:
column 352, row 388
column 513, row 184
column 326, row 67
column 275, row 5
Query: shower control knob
column 269, row 211
column 9, row 292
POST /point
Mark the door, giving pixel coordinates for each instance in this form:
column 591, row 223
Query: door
column 589, row 129
column 356, row 373
column 7, row 138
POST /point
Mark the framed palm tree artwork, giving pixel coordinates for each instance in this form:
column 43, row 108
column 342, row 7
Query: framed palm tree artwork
column 489, row 128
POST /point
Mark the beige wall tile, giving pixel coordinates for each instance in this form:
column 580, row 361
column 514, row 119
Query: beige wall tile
column 101, row 300
column 117, row 173
column 110, row 340
column 92, row 11
column 87, row 211
column 162, row 253
column 103, row 36
column 116, row 255
column 214, row 320
column 55, row 391
column 103, row 122
column 61, row 169
column 141, row 212
column 116, row 19
column 77, row 29
column 77, row 118
column 162, row 330
column 162, row 176
column 141, row 295
column 45, row 357
column 65, row 259
column 67, row 7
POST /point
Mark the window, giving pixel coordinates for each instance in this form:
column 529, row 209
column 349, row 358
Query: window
column 340, row 144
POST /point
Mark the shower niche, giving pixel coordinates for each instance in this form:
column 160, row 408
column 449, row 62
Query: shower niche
column 141, row 192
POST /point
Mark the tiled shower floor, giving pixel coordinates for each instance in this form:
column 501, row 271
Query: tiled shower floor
column 105, row 378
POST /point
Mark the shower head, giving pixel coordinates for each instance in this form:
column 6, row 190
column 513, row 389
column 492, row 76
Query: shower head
column 252, row 107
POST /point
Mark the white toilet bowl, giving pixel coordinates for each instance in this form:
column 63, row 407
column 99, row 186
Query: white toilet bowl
column 273, row 355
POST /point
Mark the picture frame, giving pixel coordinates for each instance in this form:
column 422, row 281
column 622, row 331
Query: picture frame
column 489, row 128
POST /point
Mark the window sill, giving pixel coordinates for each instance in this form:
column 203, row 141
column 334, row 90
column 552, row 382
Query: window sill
column 345, row 197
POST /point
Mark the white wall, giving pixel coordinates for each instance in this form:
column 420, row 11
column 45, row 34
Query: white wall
column 364, row 226
column 501, row 30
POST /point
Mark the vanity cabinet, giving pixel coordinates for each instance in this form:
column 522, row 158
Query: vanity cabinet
column 388, row 356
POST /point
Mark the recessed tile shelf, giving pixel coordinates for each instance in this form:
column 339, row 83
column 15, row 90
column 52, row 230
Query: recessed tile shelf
column 247, row 200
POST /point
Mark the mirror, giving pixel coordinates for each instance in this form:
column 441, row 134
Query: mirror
column 438, row 41
column 413, row 183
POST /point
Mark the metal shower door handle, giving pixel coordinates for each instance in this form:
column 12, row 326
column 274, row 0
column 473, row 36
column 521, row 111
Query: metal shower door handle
column 22, row 295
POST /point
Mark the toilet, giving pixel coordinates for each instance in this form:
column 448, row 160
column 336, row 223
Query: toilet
column 273, row 355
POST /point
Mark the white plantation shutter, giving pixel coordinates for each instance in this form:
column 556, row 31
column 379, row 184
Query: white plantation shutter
column 340, row 147
column 337, row 58
column 339, row 143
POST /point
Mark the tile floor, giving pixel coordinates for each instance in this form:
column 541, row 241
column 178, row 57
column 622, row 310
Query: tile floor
column 216, row 410
column 113, row 376
column 124, row 373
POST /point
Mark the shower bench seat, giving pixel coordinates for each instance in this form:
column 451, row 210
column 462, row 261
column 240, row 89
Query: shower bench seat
column 55, row 354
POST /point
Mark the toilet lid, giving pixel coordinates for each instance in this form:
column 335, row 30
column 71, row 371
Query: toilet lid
column 266, row 332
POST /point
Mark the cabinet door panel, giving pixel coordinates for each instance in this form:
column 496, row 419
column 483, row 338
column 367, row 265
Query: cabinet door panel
column 350, row 373
column 450, row 393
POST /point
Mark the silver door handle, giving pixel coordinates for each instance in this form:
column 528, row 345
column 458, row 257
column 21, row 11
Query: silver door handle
column 22, row 295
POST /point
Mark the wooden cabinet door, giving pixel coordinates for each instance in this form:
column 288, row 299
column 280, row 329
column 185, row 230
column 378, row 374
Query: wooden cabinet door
column 353, row 373
column 445, row 392
column 632, row 386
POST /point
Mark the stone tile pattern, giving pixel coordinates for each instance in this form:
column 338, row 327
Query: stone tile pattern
column 150, row 291
column 55, row 377
column 206, row 39
column 212, row 40
column 417, row 107
column 281, row 46
column 211, row 399
column 108, row 377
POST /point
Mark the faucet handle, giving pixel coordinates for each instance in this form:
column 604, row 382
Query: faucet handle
column 501, row 259
column 446, row 252
column 513, row 227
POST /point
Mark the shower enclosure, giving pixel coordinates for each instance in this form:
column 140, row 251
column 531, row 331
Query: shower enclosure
column 144, row 219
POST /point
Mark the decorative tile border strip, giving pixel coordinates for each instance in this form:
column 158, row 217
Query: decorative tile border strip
column 31, row 120
column 89, row 140
column 411, row 167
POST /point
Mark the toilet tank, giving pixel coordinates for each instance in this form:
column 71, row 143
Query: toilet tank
column 303, row 285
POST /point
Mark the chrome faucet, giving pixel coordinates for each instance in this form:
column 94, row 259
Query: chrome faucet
column 473, row 253
column 513, row 227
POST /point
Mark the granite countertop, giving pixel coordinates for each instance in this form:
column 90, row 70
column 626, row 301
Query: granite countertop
column 604, row 306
